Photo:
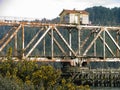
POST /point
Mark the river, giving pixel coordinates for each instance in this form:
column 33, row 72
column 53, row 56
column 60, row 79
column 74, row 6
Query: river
column 105, row 88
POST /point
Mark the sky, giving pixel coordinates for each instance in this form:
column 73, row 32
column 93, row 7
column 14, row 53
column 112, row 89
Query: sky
column 48, row 8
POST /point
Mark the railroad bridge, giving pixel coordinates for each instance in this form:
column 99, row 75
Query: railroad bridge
column 59, row 42
column 64, row 43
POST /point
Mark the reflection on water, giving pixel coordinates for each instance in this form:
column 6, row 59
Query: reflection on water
column 105, row 88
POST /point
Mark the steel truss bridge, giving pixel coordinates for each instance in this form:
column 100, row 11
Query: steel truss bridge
column 60, row 42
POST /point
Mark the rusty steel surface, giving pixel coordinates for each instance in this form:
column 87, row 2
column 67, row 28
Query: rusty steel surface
column 39, row 24
column 84, row 42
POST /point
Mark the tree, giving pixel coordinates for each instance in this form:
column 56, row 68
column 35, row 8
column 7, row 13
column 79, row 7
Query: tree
column 46, row 76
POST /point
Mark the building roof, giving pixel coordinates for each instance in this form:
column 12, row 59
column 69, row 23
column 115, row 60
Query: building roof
column 74, row 11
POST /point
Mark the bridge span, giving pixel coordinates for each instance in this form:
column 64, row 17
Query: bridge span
column 60, row 42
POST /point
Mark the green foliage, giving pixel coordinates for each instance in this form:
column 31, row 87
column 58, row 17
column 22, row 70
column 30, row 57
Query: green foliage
column 25, row 69
column 28, row 75
column 104, row 16
column 9, row 54
column 22, row 69
column 68, row 85
column 7, row 67
column 7, row 84
column 46, row 75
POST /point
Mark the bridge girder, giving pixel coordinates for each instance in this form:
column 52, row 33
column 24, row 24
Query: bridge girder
column 77, row 43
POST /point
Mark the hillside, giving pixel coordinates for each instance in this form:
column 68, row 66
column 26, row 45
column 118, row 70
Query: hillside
column 104, row 16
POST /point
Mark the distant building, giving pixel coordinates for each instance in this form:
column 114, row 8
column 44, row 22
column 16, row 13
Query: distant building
column 74, row 17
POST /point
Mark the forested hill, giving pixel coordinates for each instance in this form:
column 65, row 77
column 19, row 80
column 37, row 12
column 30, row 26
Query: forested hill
column 104, row 16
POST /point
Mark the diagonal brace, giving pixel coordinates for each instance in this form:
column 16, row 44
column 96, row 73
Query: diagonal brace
column 40, row 39
column 112, row 39
column 10, row 38
column 6, row 35
column 85, row 40
column 88, row 48
column 59, row 46
column 60, row 35
column 33, row 39
column 107, row 46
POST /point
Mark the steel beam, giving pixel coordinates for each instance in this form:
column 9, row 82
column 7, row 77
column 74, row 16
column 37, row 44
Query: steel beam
column 112, row 39
column 10, row 38
column 84, row 42
column 50, row 27
column 79, row 41
column 70, row 43
column 88, row 48
column 15, row 45
column 40, row 39
column 36, row 35
column 117, row 41
column 107, row 46
column 23, row 41
column 95, row 45
column 86, row 39
column 52, row 47
column 104, row 51
column 6, row 35
column 44, row 47
column 60, row 35
column 57, row 43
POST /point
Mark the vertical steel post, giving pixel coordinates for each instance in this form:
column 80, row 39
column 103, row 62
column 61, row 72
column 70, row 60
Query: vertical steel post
column 104, row 54
column 79, row 46
column 107, row 46
column 52, row 47
column 117, row 41
column 95, row 44
column 57, row 43
column 70, row 43
column 23, row 39
column 79, row 42
column 44, row 46
column 15, row 45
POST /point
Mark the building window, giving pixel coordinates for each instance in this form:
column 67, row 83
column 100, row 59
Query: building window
column 66, row 18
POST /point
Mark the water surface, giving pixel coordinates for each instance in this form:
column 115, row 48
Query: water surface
column 105, row 88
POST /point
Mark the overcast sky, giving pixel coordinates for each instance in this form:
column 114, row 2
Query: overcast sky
column 48, row 8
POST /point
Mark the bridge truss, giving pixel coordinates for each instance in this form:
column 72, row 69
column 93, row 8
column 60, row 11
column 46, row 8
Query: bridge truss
column 60, row 42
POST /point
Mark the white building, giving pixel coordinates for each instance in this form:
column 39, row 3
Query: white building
column 74, row 17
